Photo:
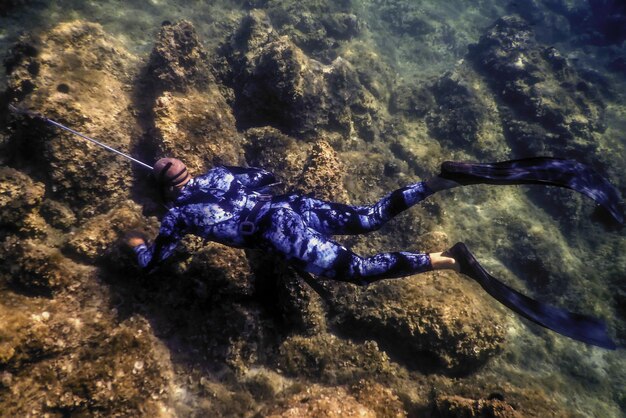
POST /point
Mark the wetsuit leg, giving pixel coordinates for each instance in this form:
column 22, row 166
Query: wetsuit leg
column 339, row 219
column 284, row 232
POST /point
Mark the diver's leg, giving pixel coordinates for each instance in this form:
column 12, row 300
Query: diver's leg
column 285, row 233
column 340, row 219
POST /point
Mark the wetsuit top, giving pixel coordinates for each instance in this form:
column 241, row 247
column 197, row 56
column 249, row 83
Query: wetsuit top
column 209, row 206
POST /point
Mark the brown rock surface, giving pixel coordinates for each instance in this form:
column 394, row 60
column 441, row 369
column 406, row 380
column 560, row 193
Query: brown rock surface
column 99, row 234
column 34, row 265
column 318, row 401
column 459, row 407
column 275, row 83
column 110, row 375
column 546, row 97
column 19, row 195
column 178, row 59
column 191, row 119
column 197, row 127
column 56, row 74
column 438, row 315
column 323, row 174
column 332, row 360
column 267, row 147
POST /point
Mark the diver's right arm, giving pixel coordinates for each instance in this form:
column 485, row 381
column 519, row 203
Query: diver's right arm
column 164, row 244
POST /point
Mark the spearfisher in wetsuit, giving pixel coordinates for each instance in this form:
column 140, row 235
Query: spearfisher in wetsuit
column 230, row 205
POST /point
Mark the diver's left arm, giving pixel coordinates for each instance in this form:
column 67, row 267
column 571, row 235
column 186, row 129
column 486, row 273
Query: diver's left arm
column 164, row 245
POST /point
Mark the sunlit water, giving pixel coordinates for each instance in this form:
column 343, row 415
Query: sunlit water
column 434, row 40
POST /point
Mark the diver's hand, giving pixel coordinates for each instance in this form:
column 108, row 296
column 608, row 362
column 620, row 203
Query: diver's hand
column 134, row 239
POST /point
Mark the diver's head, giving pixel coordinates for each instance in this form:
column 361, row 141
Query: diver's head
column 172, row 176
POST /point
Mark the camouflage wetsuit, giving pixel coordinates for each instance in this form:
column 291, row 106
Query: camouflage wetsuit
column 215, row 205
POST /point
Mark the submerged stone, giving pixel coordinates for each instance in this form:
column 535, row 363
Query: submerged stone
column 198, row 128
column 277, row 84
column 434, row 322
column 457, row 407
column 97, row 236
column 319, row 401
column 81, row 56
column 542, row 90
column 19, row 196
column 191, row 119
column 36, row 267
column 327, row 358
column 178, row 59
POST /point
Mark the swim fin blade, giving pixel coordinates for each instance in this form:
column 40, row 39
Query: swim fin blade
column 583, row 328
column 539, row 170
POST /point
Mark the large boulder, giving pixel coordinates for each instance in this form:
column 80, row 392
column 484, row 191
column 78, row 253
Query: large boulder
column 323, row 174
column 433, row 322
column 458, row 407
column 191, row 118
column 97, row 236
column 121, row 373
column 281, row 154
column 35, row 266
column 277, row 84
column 549, row 107
column 318, row 27
column 465, row 116
column 80, row 76
column 327, row 358
column 319, row 401
column 19, row 197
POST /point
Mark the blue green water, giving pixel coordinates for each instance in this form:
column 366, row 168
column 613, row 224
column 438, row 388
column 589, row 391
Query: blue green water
column 564, row 256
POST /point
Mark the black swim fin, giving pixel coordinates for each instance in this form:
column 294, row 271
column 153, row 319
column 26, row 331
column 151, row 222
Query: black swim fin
column 579, row 327
column 539, row 170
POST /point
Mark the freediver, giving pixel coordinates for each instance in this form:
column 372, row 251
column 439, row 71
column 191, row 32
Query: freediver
column 232, row 206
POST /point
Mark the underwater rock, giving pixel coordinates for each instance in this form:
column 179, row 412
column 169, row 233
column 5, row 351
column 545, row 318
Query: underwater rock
column 122, row 373
column 323, row 174
column 318, row 27
column 379, row 398
column 191, row 119
column 224, row 271
column 318, row 401
column 308, row 168
column 539, row 88
column 197, row 127
column 200, row 303
column 437, row 322
column 411, row 100
column 24, row 338
column 57, row 214
column 178, row 59
column 405, row 17
column 80, row 76
column 35, row 266
column 601, row 22
column 464, row 117
column 98, row 235
column 19, row 196
column 459, row 407
column 276, row 152
column 285, row 294
column 276, row 84
column 329, row 359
